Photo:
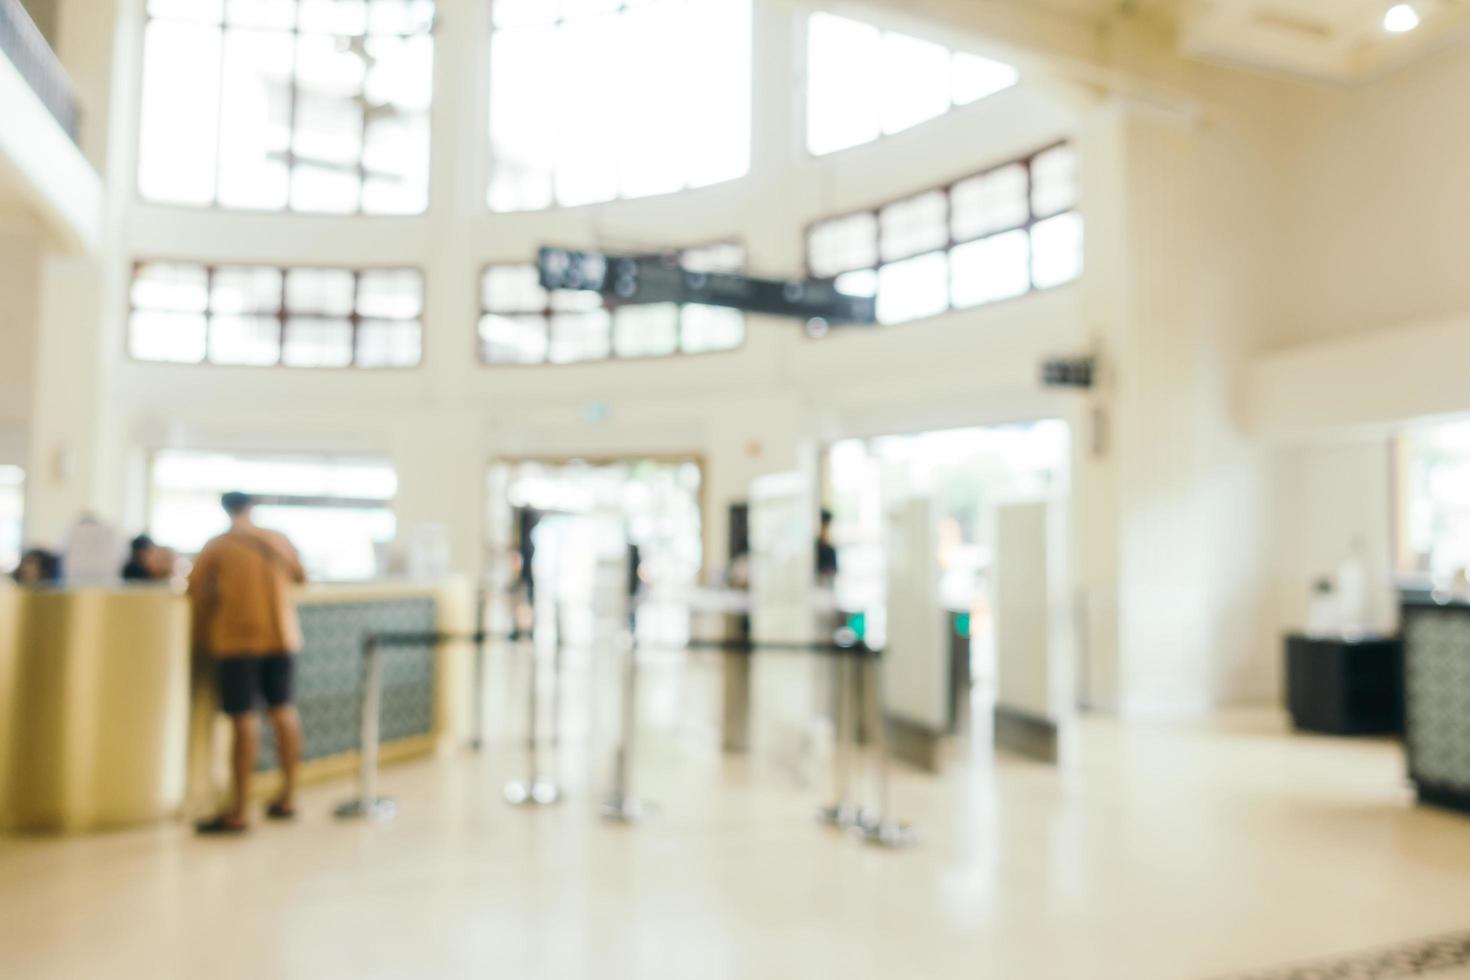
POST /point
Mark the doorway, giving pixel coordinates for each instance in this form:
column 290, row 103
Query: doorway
column 551, row 521
column 964, row 474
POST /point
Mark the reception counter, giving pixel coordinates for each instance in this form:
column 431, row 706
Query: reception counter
column 424, row 693
column 1437, row 697
column 107, row 719
column 94, row 707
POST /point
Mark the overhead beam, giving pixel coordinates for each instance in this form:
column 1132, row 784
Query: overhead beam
column 1059, row 46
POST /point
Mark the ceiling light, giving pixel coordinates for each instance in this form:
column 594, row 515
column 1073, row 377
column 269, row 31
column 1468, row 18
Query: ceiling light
column 1400, row 19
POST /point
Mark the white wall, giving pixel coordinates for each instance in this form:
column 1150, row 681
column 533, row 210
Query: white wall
column 1336, row 494
column 1220, row 225
column 744, row 413
column 41, row 170
column 20, row 239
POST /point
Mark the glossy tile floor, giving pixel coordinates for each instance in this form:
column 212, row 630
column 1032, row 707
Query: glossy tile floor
column 1170, row 852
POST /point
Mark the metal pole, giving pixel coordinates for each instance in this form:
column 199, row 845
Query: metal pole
column 477, row 721
column 477, row 736
column 841, row 812
column 533, row 790
column 620, row 806
column 880, row 829
column 558, row 654
column 368, row 805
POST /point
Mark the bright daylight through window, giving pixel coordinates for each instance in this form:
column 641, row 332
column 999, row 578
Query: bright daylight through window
column 593, row 100
column 1434, row 537
column 12, row 508
column 338, row 512
column 299, row 105
column 524, row 324
column 991, row 237
column 863, row 83
column 261, row 316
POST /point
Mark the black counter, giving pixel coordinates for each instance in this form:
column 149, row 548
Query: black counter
column 1436, row 634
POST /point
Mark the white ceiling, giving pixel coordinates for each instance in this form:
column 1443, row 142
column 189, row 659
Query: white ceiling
column 1335, row 40
column 1332, row 40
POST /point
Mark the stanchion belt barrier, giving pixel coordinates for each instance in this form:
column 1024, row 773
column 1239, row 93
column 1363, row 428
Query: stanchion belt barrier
column 872, row 824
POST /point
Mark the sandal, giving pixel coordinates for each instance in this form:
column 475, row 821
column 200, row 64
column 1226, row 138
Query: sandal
column 221, row 826
column 279, row 811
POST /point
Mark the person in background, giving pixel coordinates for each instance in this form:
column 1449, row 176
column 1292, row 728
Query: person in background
column 163, row 563
column 140, row 553
column 148, row 561
column 635, row 584
column 38, row 567
column 526, row 519
column 244, row 615
column 826, row 551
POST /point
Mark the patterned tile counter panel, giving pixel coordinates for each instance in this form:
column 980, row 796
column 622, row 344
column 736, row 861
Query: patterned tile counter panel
column 329, row 674
column 1437, row 669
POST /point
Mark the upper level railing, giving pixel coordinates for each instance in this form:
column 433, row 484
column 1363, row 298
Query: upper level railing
column 23, row 43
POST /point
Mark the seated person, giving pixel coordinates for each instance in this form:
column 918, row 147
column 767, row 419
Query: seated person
column 38, row 567
column 148, row 562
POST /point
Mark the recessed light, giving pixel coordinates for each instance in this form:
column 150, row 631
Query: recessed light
column 1400, row 19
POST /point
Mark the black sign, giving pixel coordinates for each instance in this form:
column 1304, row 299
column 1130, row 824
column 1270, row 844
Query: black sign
column 658, row 279
column 1068, row 372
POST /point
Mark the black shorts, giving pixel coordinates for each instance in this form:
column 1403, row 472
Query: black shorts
column 244, row 681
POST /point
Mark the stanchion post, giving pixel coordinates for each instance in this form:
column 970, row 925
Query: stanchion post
column 841, row 812
column 477, row 736
column 880, row 828
column 477, row 704
column 533, row 790
column 369, row 805
column 620, row 805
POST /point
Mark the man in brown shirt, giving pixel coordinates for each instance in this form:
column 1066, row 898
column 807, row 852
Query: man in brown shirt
column 244, row 616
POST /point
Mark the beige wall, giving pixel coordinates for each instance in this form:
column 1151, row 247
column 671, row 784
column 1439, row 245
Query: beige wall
column 1373, row 325
column 1378, row 225
column 44, row 13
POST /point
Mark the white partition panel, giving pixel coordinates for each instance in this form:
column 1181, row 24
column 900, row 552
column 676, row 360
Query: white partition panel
column 916, row 669
column 783, row 685
column 782, row 558
column 1033, row 620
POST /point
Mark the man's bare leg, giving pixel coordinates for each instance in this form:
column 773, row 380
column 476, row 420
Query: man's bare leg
column 287, row 725
column 246, row 752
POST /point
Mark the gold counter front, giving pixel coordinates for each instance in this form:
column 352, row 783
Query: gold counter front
column 106, row 720
column 94, row 708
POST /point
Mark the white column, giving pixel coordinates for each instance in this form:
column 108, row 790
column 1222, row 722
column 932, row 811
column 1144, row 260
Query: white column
column 1175, row 289
column 440, row 459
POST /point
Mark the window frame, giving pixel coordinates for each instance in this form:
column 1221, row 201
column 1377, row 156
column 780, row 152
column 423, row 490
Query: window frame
column 951, row 241
column 613, row 356
column 214, row 206
column 210, row 268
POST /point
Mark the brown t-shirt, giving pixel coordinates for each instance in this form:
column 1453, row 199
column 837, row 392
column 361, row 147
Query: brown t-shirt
column 240, row 590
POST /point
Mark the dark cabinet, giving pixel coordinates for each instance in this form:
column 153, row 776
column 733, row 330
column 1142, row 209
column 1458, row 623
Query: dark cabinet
column 1345, row 687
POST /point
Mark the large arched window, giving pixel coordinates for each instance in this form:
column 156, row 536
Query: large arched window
column 594, row 100
column 863, row 82
column 288, row 105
